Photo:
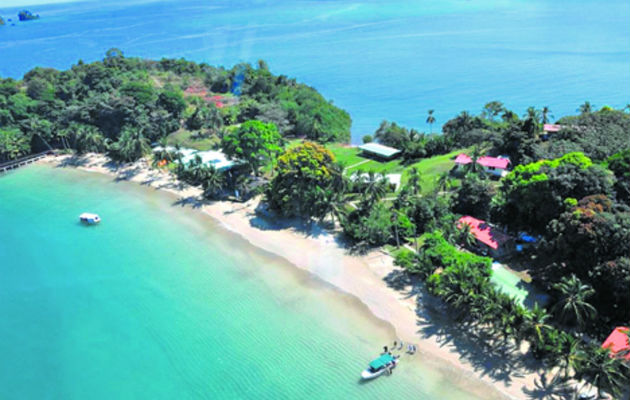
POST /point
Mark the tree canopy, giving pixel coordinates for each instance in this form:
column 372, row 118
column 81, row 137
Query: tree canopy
column 254, row 142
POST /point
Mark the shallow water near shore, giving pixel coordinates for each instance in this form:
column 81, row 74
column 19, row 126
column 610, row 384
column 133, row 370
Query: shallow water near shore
column 158, row 301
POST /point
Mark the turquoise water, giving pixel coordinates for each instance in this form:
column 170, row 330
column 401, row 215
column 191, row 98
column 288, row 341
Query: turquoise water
column 379, row 60
column 158, row 302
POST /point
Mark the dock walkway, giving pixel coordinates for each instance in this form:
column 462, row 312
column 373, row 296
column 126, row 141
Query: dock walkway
column 20, row 162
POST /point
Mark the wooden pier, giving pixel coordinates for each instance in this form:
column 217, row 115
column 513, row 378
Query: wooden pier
column 20, row 162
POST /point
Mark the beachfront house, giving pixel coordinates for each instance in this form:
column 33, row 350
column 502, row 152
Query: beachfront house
column 497, row 166
column 489, row 240
column 617, row 343
column 379, row 151
column 215, row 158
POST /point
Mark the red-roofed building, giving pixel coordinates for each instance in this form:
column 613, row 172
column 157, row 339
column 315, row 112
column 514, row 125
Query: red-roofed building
column 490, row 240
column 492, row 165
column 617, row 342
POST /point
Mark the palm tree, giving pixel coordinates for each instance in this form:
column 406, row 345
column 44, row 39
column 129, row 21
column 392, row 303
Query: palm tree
column 87, row 138
column 533, row 114
column 571, row 356
column 474, row 167
column 431, row 120
column 535, row 324
column 585, row 108
column 444, row 182
column 572, row 306
column 375, row 189
column 546, row 114
column 465, row 236
column 414, row 180
column 508, row 115
column 213, row 183
column 131, row 145
column 608, row 374
column 336, row 204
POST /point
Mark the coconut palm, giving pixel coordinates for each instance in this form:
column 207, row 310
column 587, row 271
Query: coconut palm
column 508, row 115
column 572, row 306
column 213, row 183
column 415, row 177
column 546, row 114
column 443, row 182
column 585, row 108
column 571, row 356
column 131, row 145
column 87, row 138
column 430, row 120
column 474, row 167
column 465, row 236
column 375, row 189
column 535, row 324
column 335, row 203
column 533, row 114
column 607, row 374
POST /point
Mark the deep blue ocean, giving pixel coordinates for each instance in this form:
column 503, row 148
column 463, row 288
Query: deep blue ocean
column 378, row 60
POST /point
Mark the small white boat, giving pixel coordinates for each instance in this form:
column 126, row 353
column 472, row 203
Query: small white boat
column 385, row 363
column 90, row 219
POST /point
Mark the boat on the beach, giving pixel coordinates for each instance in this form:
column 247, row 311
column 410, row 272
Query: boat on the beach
column 385, row 363
column 89, row 218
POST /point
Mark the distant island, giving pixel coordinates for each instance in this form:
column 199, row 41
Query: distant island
column 26, row 15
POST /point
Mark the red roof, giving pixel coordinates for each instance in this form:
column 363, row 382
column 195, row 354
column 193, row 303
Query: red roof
column 463, row 159
column 618, row 341
column 551, row 127
column 484, row 232
column 486, row 161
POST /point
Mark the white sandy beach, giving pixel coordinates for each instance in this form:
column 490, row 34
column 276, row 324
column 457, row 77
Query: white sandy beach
column 372, row 277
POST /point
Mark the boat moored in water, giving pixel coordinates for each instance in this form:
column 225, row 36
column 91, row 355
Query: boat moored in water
column 385, row 363
column 89, row 218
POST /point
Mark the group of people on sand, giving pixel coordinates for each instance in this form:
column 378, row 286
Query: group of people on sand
column 411, row 348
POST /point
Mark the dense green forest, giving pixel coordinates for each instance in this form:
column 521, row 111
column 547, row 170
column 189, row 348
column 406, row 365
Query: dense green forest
column 570, row 189
column 120, row 104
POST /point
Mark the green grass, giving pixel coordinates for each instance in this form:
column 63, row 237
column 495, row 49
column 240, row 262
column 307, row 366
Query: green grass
column 187, row 139
column 431, row 169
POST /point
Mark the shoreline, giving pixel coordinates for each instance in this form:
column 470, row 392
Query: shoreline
column 372, row 278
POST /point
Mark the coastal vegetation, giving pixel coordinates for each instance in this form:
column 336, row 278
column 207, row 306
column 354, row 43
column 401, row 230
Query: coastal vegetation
column 568, row 189
column 97, row 105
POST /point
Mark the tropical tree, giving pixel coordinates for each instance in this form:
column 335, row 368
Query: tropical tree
column 532, row 114
column 465, row 236
column 213, row 183
column 474, row 167
column 444, row 182
column 572, row 305
column 413, row 182
column 254, row 142
column 374, row 188
column 131, row 145
column 535, row 325
column 304, row 172
column 545, row 114
column 585, row 108
column 607, row 374
column 430, row 120
column 571, row 356
column 492, row 109
column 87, row 138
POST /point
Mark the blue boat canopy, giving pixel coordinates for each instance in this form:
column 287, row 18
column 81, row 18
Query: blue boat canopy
column 381, row 362
column 527, row 238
